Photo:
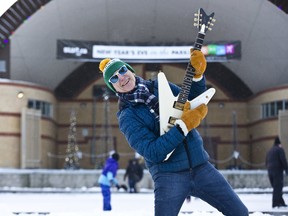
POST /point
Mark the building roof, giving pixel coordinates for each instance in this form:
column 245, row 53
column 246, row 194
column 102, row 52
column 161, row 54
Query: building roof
column 259, row 25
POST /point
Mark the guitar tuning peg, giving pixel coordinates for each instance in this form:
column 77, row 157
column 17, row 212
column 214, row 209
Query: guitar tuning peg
column 195, row 24
column 195, row 19
column 195, row 14
column 213, row 20
column 209, row 29
column 211, row 24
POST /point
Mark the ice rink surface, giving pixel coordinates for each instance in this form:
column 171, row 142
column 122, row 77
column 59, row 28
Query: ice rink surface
column 123, row 204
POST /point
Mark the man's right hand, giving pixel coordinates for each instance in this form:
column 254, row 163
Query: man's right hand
column 192, row 118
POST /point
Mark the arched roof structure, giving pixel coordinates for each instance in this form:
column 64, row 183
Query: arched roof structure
column 259, row 25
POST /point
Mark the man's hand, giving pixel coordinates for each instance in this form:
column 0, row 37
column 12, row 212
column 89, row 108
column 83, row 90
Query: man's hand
column 198, row 61
column 192, row 118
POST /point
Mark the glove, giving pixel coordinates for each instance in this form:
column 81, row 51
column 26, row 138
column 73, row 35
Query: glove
column 118, row 187
column 124, row 187
column 198, row 61
column 191, row 118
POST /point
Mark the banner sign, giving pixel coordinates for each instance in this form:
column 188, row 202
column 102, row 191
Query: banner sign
column 89, row 51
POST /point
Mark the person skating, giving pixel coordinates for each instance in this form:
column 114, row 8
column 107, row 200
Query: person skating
column 108, row 179
column 276, row 164
column 134, row 172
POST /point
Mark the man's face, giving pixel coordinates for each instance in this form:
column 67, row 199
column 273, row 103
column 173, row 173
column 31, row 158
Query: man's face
column 125, row 83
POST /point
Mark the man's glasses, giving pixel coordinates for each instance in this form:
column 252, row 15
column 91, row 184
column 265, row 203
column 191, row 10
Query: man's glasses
column 114, row 79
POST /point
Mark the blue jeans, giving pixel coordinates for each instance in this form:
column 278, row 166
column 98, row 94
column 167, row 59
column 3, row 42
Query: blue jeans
column 132, row 185
column 204, row 182
column 106, row 193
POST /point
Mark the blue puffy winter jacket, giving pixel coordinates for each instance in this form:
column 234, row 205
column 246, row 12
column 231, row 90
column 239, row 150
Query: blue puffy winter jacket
column 109, row 173
column 142, row 131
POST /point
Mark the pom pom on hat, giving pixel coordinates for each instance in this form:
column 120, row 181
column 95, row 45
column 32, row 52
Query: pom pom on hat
column 103, row 64
column 109, row 66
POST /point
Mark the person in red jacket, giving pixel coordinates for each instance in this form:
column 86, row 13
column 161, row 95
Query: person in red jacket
column 276, row 164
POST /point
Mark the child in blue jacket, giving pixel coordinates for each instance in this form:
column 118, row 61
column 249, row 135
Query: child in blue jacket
column 108, row 179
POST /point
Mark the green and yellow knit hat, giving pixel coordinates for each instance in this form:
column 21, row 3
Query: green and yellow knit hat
column 109, row 66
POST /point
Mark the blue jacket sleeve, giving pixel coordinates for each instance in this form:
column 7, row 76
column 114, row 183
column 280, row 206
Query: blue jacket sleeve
column 197, row 88
column 111, row 178
column 137, row 126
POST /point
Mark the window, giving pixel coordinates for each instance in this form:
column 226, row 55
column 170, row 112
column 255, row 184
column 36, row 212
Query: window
column 271, row 109
column 45, row 107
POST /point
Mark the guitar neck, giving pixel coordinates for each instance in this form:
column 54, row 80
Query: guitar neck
column 199, row 41
column 188, row 78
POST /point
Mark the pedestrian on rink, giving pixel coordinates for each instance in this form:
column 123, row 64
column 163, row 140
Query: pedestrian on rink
column 134, row 172
column 276, row 164
column 187, row 171
column 108, row 179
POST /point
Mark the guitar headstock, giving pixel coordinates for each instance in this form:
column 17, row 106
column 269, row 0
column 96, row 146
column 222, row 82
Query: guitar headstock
column 203, row 21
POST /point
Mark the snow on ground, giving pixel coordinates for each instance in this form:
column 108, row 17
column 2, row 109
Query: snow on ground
column 88, row 202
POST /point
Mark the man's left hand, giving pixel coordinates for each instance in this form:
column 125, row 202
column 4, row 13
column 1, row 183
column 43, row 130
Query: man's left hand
column 198, row 61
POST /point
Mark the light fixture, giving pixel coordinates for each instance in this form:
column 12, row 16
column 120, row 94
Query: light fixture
column 20, row 94
column 221, row 105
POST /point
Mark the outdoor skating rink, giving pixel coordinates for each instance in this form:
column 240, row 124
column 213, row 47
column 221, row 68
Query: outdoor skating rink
column 123, row 204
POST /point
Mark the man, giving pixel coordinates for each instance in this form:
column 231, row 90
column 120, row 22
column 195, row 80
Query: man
column 134, row 172
column 108, row 179
column 187, row 171
column 276, row 164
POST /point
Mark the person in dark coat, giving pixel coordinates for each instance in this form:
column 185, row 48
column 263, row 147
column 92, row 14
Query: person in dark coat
column 134, row 172
column 108, row 179
column 276, row 164
column 187, row 171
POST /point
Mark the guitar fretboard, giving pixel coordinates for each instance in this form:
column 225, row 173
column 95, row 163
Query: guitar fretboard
column 188, row 78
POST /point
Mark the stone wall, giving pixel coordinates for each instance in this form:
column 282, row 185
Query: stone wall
column 88, row 178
